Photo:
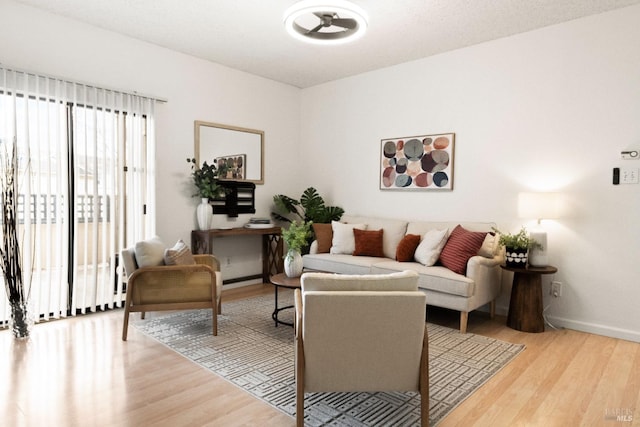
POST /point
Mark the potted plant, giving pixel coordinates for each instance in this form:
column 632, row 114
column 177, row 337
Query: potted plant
column 206, row 180
column 18, row 292
column 310, row 208
column 295, row 237
column 517, row 246
column 208, row 186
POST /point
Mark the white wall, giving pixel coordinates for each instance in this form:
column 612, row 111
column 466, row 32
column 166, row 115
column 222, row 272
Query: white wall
column 546, row 110
column 197, row 90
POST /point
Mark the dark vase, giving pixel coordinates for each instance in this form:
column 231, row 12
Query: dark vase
column 516, row 257
column 20, row 320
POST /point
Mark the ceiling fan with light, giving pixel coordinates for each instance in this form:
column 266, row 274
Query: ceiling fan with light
column 325, row 21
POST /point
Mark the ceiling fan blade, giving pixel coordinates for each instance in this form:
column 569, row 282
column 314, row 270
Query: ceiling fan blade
column 347, row 23
column 313, row 30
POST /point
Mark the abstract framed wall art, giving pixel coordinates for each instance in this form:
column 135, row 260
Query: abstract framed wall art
column 422, row 162
column 234, row 166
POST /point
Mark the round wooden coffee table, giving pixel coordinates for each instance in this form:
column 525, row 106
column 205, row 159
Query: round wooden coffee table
column 281, row 280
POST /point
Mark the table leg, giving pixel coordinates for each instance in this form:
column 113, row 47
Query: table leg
column 275, row 311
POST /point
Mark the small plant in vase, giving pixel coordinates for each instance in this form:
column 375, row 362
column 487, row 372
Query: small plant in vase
column 205, row 178
column 295, row 237
column 208, row 186
column 517, row 246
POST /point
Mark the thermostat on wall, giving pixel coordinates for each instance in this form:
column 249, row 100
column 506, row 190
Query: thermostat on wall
column 630, row 154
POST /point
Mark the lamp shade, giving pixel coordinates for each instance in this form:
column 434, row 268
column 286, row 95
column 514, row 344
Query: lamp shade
column 539, row 205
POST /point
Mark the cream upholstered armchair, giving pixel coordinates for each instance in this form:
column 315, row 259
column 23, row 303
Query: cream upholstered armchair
column 361, row 333
column 194, row 282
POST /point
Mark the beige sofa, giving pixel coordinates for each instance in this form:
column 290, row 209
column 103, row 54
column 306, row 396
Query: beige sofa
column 478, row 286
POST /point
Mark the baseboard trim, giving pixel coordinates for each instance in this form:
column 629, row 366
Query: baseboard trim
column 593, row 328
column 576, row 325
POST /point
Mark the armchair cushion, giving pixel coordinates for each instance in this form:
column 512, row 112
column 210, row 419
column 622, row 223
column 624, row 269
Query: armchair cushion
column 337, row 313
column 150, row 253
column 400, row 281
column 179, row 254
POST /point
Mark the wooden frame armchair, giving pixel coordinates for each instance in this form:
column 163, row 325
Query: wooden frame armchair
column 172, row 287
column 361, row 333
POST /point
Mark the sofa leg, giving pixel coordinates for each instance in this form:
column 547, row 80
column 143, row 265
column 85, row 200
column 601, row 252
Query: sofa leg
column 464, row 316
column 492, row 309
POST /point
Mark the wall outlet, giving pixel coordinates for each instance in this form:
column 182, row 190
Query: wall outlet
column 556, row 289
column 227, row 261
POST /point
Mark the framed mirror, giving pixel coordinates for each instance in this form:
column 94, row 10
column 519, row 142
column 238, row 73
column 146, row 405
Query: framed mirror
column 240, row 149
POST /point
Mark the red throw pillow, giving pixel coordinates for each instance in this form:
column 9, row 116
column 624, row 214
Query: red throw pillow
column 462, row 245
column 324, row 236
column 368, row 242
column 407, row 247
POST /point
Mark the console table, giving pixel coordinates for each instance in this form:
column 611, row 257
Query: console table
column 272, row 247
column 525, row 306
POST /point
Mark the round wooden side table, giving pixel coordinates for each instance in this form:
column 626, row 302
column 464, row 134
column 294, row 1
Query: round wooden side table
column 281, row 280
column 525, row 306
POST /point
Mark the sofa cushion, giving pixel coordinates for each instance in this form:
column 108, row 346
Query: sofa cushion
column 428, row 251
column 179, row 254
column 394, row 231
column 343, row 241
column 489, row 246
column 407, row 247
column 149, row 253
column 461, row 245
column 435, row 278
column 368, row 242
column 324, row 237
column 339, row 263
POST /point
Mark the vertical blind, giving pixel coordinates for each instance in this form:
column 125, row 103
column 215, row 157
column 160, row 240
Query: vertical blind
column 86, row 184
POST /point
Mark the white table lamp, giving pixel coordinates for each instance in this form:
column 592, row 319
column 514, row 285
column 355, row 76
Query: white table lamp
column 538, row 206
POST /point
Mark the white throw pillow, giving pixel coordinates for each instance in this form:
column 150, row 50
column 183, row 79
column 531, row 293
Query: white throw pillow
column 179, row 254
column 343, row 241
column 428, row 251
column 489, row 246
column 150, row 252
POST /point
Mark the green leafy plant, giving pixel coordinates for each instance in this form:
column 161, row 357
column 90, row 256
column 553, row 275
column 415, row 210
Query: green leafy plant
column 310, row 208
column 297, row 236
column 520, row 240
column 205, row 178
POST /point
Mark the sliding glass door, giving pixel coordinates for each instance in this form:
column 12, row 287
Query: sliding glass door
column 85, row 159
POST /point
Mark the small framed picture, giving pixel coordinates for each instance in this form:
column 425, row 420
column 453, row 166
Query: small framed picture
column 232, row 167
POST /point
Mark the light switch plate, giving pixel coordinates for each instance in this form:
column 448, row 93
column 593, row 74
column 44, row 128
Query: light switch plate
column 629, row 176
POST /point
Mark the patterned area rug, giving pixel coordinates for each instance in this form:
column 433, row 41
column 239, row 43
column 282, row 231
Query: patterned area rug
column 258, row 357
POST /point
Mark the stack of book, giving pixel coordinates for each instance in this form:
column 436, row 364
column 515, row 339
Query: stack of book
column 259, row 223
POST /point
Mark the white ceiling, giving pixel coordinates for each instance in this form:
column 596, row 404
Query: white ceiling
column 248, row 35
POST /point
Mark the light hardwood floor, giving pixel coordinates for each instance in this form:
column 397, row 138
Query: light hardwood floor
column 78, row 372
